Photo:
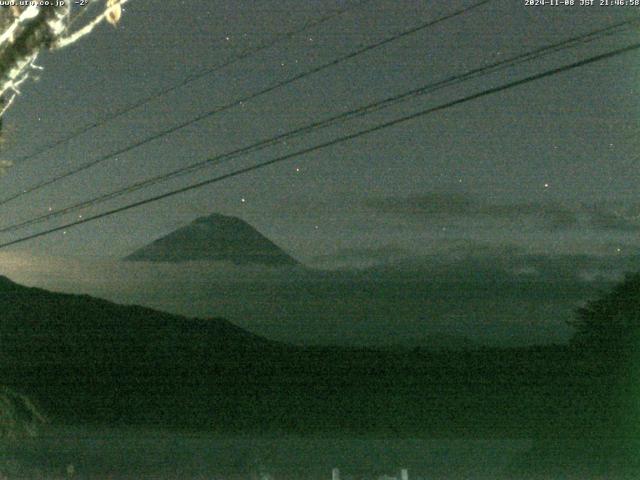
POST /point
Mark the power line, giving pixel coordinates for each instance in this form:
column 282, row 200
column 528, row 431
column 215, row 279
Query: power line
column 391, row 123
column 339, row 118
column 189, row 79
column 236, row 102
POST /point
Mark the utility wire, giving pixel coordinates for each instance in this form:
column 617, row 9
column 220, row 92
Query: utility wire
column 189, row 79
column 236, row 102
column 340, row 118
column 391, row 123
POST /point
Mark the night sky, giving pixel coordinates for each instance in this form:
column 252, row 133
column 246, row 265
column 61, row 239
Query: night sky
column 536, row 176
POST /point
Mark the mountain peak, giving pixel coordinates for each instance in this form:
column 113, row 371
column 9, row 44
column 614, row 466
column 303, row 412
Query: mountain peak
column 216, row 217
column 214, row 237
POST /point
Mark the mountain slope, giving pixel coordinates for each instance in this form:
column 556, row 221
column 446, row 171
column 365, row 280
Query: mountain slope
column 76, row 320
column 216, row 238
column 85, row 358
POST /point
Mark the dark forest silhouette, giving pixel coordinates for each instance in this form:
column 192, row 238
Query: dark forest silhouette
column 598, row 434
column 88, row 361
column 611, row 323
column 85, row 359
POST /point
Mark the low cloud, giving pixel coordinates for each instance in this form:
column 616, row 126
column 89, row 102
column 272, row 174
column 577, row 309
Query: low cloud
column 451, row 207
column 491, row 295
column 612, row 218
column 458, row 206
column 362, row 257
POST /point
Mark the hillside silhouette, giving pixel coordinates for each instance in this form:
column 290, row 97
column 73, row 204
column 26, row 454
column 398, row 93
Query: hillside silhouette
column 599, row 435
column 86, row 360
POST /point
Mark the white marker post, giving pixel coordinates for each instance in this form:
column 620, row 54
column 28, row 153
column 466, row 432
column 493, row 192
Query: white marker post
column 335, row 474
column 404, row 474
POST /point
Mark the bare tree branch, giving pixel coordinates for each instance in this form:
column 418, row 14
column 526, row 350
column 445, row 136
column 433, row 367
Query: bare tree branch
column 108, row 15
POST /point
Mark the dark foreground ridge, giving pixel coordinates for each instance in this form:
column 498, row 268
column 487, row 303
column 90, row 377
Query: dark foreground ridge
column 84, row 360
column 215, row 238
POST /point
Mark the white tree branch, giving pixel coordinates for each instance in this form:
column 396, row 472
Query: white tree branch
column 27, row 31
column 8, row 35
column 87, row 29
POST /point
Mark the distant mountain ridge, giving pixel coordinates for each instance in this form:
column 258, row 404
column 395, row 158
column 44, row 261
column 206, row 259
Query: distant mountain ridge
column 215, row 238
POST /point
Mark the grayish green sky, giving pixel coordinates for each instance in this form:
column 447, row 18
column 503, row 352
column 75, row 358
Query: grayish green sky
column 576, row 133
column 549, row 168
